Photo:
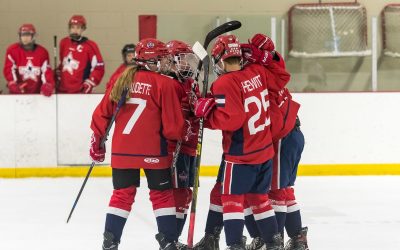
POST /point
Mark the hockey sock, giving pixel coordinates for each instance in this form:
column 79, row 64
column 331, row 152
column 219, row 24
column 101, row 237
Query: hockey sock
column 165, row 212
column 293, row 223
column 214, row 218
column 263, row 215
column 233, row 218
column 119, row 208
column 182, row 197
column 249, row 221
column 278, row 200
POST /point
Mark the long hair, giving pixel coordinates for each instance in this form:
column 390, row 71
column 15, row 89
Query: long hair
column 124, row 82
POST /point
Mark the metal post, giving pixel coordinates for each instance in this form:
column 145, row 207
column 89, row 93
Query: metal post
column 374, row 34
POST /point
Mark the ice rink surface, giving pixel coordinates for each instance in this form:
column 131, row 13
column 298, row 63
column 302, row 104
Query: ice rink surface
column 341, row 213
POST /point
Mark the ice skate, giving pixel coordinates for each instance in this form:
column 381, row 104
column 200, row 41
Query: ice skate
column 256, row 244
column 276, row 244
column 109, row 243
column 298, row 242
column 209, row 241
column 164, row 243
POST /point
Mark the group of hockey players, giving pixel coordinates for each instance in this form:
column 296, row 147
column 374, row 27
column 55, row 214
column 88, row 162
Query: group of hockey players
column 157, row 130
column 27, row 68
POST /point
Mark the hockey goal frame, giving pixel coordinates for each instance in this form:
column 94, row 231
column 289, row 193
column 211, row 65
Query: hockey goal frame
column 320, row 5
column 383, row 27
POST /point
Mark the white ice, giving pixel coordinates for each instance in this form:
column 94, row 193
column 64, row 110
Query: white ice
column 341, row 213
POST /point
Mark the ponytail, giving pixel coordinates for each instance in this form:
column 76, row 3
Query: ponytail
column 124, row 82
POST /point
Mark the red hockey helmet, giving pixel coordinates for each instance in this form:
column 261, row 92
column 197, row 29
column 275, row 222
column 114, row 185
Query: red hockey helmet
column 184, row 59
column 77, row 19
column 176, row 47
column 150, row 51
column 226, row 46
column 27, row 28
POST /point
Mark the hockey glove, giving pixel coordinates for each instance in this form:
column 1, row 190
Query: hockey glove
column 262, row 42
column 14, row 88
column 46, row 89
column 96, row 153
column 87, row 86
column 204, row 106
column 254, row 55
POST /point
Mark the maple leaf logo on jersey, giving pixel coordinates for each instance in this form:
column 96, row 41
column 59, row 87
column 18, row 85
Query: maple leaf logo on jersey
column 29, row 71
column 70, row 64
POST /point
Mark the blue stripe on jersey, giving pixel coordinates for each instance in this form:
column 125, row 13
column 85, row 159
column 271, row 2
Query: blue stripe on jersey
column 236, row 147
column 255, row 151
column 86, row 72
column 220, row 100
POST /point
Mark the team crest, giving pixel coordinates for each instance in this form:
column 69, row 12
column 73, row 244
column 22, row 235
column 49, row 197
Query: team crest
column 183, row 176
column 70, row 64
column 29, row 71
column 150, row 45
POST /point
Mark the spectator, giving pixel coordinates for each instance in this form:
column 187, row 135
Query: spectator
column 27, row 69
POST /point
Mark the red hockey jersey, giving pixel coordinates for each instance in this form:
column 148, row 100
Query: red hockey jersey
column 80, row 61
column 29, row 67
column 115, row 75
column 242, row 113
column 191, row 128
column 144, row 124
column 283, row 108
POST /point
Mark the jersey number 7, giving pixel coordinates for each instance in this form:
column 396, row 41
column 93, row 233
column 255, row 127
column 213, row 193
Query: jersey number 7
column 261, row 104
column 135, row 116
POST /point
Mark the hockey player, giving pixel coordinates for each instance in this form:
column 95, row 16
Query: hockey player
column 151, row 116
column 81, row 67
column 288, row 144
column 240, row 108
column 184, row 66
column 128, row 56
column 27, row 68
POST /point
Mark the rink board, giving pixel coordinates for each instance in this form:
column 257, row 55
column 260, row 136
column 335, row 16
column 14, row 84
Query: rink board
column 345, row 134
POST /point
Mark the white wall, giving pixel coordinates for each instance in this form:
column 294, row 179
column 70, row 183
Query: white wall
column 339, row 128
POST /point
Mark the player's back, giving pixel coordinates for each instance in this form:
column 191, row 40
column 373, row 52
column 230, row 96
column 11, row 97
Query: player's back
column 150, row 117
column 243, row 101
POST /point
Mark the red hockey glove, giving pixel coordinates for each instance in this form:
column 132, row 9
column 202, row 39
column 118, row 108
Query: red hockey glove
column 46, row 89
column 254, row 55
column 262, row 42
column 87, row 86
column 14, row 88
column 203, row 107
column 96, row 153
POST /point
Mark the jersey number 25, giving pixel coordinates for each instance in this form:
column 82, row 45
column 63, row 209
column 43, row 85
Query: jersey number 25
column 261, row 104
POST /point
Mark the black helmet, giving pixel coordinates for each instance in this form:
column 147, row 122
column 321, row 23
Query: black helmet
column 128, row 48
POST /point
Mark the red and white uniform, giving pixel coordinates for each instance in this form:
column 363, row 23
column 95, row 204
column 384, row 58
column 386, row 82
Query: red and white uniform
column 28, row 67
column 114, row 77
column 80, row 61
column 283, row 108
column 242, row 99
column 191, row 128
column 144, row 124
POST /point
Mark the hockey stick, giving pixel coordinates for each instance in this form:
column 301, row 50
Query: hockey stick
column 55, row 58
column 103, row 141
column 205, row 62
column 226, row 27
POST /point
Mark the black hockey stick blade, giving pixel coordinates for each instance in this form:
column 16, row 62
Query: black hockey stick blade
column 223, row 28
